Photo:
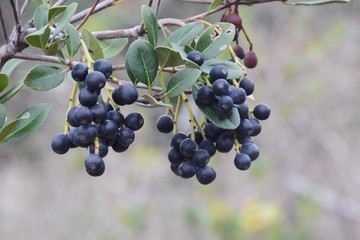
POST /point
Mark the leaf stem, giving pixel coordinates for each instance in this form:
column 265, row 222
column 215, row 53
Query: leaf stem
column 191, row 115
column 236, row 60
column 71, row 104
column 176, row 117
column 88, row 57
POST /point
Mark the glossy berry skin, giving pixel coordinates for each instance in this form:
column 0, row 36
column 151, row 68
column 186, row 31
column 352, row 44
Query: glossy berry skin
column 207, row 145
column 82, row 115
column 126, row 136
column 186, row 170
column 117, row 147
column 234, row 19
column 205, row 175
column 94, row 165
column 221, row 87
column 88, row 97
column 212, row 132
column 224, row 143
column 107, row 129
column 70, row 117
column 205, row 95
column 175, row 156
column 188, row 147
column 95, row 80
column 250, row 59
column 250, row 149
column 239, row 51
column 165, row 124
column 243, row 110
column 242, row 161
column 85, row 135
column 261, row 111
column 98, row 113
column 201, row 158
column 176, row 139
column 134, row 121
column 238, row 95
column 125, row 94
column 116, row 117
column 108, row 106
column 104, row 66
column 245, row 128
column 248, row 85
column 224, row 108
column 60, row 144
column 257, row 126
column 196, row 56
column 198, row 136
column 218, row 71
column 103, row 148
column 174, row 168
column 79, row 72
column 70, row 136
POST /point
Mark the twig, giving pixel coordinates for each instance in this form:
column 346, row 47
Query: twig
column 59, row 3
column 17, row 7
column 150, row 3
column 157, row 7
column 43, row 58
column 3, row 26
column 235, row 1
column 247, row 38
column 24, row 7
column 88, row 14
column 16, row 16
column 99, row 7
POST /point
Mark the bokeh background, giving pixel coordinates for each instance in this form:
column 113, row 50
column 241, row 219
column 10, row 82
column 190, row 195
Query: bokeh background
column 305, row 184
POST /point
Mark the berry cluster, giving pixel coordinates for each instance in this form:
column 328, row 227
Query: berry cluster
column 98, row 126
column 189, row 155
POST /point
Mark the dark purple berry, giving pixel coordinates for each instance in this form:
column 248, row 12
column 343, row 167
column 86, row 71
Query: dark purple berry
column 248, row 85
column 188, row 147
column 205, row 95
column 201, row 158
column 134, row 121
column 242, row 161
column 221, row 87
column 104, row 66
column 95, row 80
column 94, row 165
column 205, row 175
column 250, row 59
column 98, row 113
column 218, row 71
column 261, row 111
column 125, row 94
column 82, row 115
column 60, row 144
column 165, row 124
column 186, row 170
column 79, row 72
column 88, row 97
column 196, row 56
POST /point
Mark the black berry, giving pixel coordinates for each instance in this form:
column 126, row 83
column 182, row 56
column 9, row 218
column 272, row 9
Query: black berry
column 261, row 111
column 104, row 66
column 196, row 56
column 165, row 124
column 79, row 72
column 60, row 144
column 205, row 175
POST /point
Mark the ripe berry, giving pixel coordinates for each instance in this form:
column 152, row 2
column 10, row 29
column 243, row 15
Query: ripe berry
column 238, row 95
column 125, row 94
column 134, row 121
column 85, row 135
column 95, row 80
column 208, row 146
column 212, row 132
column 243, row 110
column 245, row 127
column 103, row 148
column 82, row 115
column 224, row 143
column 107, row 129
column 196, row 56
column 257, row 127
column 221, row 87
column 176, row 139
column 88, row 97
column 116, row 117
column 117, row 147
column 60, row 144
column 79, row 72
column 188, row 147
column 205, row 95
column 201, row 158
column 108, row 106
column 242, row 161
column 250, row 59
column 94, row 164
column 239, row 51
column 165, row 124
column 234, row 19
column 175, row 156
column 70, row 136
column 126, row 136
column 224, row 108
column 70, row 117
column 104, row 66
column 218, row 71
column 198, row 136
column 98, row 113
column 261, row 111
column 174, row 168
column 186, row 170
column 250, row 149
column 248, row 85
column 205, row 175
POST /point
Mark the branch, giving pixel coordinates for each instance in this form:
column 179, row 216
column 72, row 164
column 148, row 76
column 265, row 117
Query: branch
column 43, row 58
column 107, row 3
column 59, row 3
column 3, row 26
column 88, row 14
column 235, row 1
column 24, row 7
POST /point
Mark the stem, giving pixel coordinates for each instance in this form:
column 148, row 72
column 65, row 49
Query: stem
column 108, row 90
column 247, row 38
column 3, row 26
column 237, row 144
column 191, row 115
column 87, row 15
column 71, row 104
column 97, row 145
column 176, row 117
column 236, row 60
column 162, row 82
column 88, row 57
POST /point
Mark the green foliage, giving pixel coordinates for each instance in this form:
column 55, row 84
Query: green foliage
column 181, row 81
column 11, row 92
column 73, row 41
column 4, row 81
column 235, row 71
column 41, row 16
column 186, row 33
column 39, row 38
column 151, row 25
column 168, row 57
column 2, row 115
column 43, row 78
column 92, row 44
column 65, row 18
column 112, row 47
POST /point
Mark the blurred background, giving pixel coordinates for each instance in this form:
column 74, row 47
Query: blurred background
column 305, row 184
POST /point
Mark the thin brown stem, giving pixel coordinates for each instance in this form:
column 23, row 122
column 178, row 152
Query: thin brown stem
column 101, row 6
column 3, row 26
column 16, row 16
column 150, row 3
column 247, row 38
column 88, row 15
column 43, row 58
column 157, row 7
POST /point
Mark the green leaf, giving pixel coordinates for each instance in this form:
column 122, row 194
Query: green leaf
column 55, row 11
column 4, row 81
column 210, row 112
column 181, row 81
column 55, row 47
column 26, row 123
column 214, row 4
column 65, row 17
column 10, row 65
column 316, row 2
column 150, row 23
column 153, row 102
column 141, row 62
column 234, row 70
column 215, row 39
column 112, row 47
column 43, row 78
column 39, row 38
column 186, row 33
column 73, row 42
column 168, row 57
column 92, row 44
column 2, row 115
column 41, row 16
column 9, row 94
